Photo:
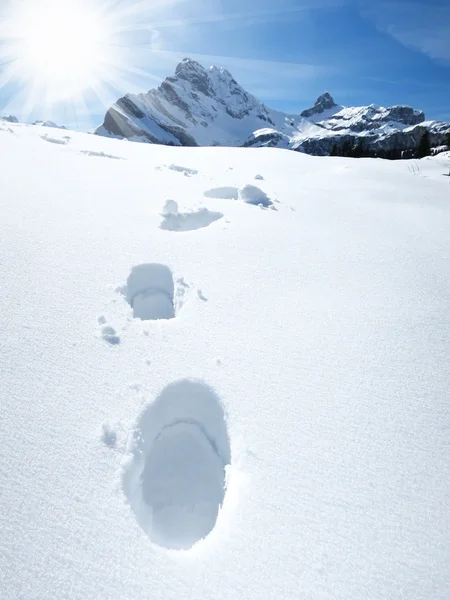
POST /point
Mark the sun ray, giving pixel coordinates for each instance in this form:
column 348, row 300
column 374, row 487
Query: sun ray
column 61, row 52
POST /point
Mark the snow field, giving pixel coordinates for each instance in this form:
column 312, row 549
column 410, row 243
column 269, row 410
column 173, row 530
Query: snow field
column 274, row 423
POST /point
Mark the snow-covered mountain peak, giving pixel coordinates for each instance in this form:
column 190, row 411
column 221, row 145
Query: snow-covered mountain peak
column 217, row 83
column 195, row 106
column 197, row 76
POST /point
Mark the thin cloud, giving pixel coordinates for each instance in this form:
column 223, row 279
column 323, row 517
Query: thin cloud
column 248, row 17
column 422, row 26
column 257, row 66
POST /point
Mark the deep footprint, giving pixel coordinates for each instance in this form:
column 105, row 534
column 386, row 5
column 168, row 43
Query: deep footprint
column 150, row 292
column 175, row 480
column 251, row 194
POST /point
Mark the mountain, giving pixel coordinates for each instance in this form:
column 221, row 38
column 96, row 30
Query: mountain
column 196, row 107
column 323, row 103
column 9, row 119
column 207, row 107
column 50, row 124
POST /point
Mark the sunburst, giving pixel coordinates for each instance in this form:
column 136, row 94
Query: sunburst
column 62, row 52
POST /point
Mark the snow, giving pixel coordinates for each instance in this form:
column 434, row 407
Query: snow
column 273, row 419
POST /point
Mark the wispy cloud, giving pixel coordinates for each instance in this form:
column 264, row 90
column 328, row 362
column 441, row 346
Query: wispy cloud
column 420, row 25
column 253, row 15
column 263, row 67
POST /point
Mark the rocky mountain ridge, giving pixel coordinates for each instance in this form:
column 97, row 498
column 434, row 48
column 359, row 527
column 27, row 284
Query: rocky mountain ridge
column 207, row 107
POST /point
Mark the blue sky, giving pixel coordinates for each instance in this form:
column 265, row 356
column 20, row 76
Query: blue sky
column 285, row 52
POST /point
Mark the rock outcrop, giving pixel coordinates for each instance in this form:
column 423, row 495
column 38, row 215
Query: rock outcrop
column 323, row 103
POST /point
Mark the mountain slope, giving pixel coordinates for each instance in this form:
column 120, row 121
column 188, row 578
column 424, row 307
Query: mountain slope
column 207, row 107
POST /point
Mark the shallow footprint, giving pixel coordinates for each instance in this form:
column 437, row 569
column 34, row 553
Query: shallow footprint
column 222, row 193
column 185, row 170
column 175, row 479
column 109, row 334
column 100, row 154
column 47, row 138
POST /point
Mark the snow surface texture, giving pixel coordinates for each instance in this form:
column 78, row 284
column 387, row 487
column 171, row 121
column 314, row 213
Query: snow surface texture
column 320, row 331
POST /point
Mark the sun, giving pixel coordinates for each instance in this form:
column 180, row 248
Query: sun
column 73, row 58
column 60, row 46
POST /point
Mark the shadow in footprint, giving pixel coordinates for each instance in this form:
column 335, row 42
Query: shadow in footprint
column 149, row 291
column 222, row 193
column 47, row 138
column 109, row 334
column 185, row 170
column 251, row 194
column 100, row 154
column 175, row 479
column 190, row 221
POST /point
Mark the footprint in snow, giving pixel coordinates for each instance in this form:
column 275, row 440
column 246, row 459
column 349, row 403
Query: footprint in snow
column 175, row 476
column 185, row 170
column 152, row 294
column 108, row 435
column 61, row 141
column 108, row 333
column 190, row 221
column 250, row 194
column 223, row 193
column 100, row 154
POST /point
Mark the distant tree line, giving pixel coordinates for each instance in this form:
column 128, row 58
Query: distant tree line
column 358, row 149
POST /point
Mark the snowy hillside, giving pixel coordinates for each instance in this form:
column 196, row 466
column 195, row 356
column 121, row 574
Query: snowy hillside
column 207, row 107
column 224, row 373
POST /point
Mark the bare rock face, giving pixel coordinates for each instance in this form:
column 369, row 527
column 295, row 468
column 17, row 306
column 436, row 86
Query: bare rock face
column 396, row 144
column 323, row 103
column 406, row 115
